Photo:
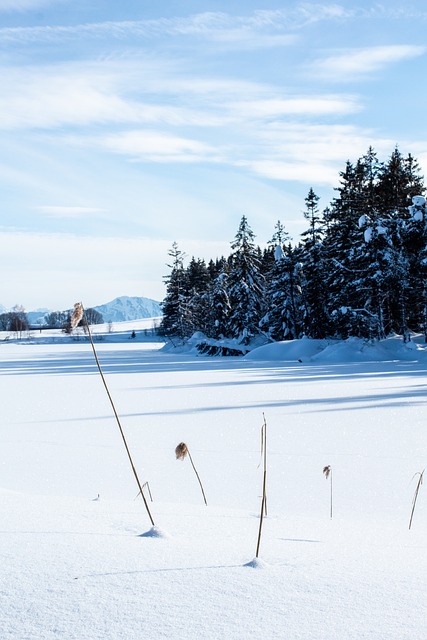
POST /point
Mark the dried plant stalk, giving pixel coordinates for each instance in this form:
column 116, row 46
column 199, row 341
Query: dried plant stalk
column 77, row 315
column 327, row 471
column 264, row 483
column 181, row 452
column 146, row 484
column 414, row 499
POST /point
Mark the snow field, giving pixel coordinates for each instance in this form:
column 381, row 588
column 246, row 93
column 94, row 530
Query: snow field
column 77, row 568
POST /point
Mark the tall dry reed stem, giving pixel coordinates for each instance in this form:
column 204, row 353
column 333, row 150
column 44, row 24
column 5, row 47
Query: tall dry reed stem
column 414, row 499
column 264, row 483
column 77, row 315
column 327, row 472
column 181, row 452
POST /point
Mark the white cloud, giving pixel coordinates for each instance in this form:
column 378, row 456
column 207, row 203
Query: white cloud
column 261, row 28
column 45, row 97
column 311, row 152
column 298, row 105
column 25, row 5
column 355, row 63
column 111, row 92
column 159, row 147
column 296, row 171
column 211, row 26
column 69, row 212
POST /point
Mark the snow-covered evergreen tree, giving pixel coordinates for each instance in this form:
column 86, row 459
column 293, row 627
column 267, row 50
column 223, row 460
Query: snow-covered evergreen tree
column 284, row 318
column 219, row 305
column 414, row 241
column 197, row 281
column 245, row 285
column 344, row 244
column 311, row 254
column 176, row 320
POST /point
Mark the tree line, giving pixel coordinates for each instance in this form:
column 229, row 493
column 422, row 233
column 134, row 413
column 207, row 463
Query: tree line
column 359, row 268
column 16, row 321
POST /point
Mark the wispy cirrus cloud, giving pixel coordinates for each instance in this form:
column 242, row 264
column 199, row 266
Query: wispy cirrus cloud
column 294, row 151
column 61, row 103
column 260, row 28
column 265, row 29
column 156, row 146
column 59, row 211
column 24, row 5
column 359, row 63
column 84, row 94
column 313, row 105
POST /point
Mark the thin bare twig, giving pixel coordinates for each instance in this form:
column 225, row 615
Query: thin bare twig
column 414, row 499
column 146, row 484
column 79, row 311
column 327, row 471
column 181, row 452
column 264, row 483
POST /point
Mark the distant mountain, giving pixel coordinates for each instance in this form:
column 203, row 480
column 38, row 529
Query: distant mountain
column 129, row 308
column 34, row 317
column 37, row 316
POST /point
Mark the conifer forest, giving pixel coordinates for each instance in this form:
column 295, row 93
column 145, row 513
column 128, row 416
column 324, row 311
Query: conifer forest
column 359, row 269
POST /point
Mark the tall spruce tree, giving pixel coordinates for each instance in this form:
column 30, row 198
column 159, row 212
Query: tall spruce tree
column 197, row 282
column 245, row 285
column 386, row 261
column 219, row 305
column 313, row 274
column 284, row 318
column 344, row 244
column 414, row 241
column 176, row 320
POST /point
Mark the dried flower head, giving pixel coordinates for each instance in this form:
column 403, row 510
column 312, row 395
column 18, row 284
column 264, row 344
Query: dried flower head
column 327, row 471
column 181, row 451
column 77, row 315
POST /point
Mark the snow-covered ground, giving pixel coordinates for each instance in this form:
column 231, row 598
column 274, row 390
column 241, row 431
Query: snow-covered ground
column 75, row 567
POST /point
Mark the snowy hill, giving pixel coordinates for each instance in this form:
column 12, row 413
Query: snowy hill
column 128, row 308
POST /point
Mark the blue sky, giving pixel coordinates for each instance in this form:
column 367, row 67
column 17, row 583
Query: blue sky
column 128, row 125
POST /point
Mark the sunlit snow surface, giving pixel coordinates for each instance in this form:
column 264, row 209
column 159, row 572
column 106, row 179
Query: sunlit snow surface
column 79, row 560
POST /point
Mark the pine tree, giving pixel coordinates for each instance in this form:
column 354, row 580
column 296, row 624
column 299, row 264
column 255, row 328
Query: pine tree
column 414, row 241
column 398, row 181
column 219, row 305
column 245, row 285
column 387, row 262
column 314, row 233
column 343, row 244
column 284, row 319
column 176, row 321
column 197, row 281
column 313, row 273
